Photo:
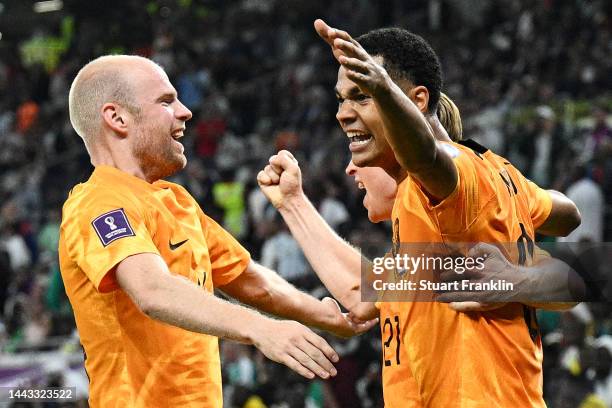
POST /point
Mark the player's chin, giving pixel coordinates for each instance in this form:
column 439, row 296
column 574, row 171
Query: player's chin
column 363, row 159
column 176, row 164
column 375, row 219
column 374, row 216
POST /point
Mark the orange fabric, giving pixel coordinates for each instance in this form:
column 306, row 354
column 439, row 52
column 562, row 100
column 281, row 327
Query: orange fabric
column 450, row 359
column 131, row 359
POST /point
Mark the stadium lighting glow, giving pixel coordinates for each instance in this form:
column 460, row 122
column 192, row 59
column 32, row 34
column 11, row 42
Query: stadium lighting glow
column 47, row 6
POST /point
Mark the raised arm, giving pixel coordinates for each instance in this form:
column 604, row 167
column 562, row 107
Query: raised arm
column 335, row 262
column 406, row 128
column 175, row 300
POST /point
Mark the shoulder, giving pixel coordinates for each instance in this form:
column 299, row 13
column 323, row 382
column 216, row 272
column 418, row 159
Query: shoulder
column 88, row 201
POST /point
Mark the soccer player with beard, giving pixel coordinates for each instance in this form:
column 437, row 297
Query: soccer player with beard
column 140, row 260
column 445, row 194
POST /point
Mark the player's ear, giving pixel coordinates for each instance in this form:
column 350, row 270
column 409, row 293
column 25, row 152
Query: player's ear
column 420, row 96
column 116, row 118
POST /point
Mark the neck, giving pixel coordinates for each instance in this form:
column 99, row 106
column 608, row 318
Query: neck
column 119, row 158
column 396, row 172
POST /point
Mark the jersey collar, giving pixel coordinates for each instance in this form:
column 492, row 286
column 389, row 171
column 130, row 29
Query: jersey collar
column 112, row 175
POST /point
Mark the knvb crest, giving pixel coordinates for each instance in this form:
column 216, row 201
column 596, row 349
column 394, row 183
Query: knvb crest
column 112, row 225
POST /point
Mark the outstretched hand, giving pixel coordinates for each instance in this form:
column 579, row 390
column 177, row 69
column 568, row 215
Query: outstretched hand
column 496, row 268
column 343, row 325
column 361, row 67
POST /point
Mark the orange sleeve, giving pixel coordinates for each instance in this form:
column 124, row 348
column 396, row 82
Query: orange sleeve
column 540, row 204
column 539, row 200
column 102, row 232
column 227, row 257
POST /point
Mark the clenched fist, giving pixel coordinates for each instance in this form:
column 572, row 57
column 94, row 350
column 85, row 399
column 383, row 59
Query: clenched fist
column 281, row 179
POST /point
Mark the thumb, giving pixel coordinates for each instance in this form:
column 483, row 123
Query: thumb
column 331, row 301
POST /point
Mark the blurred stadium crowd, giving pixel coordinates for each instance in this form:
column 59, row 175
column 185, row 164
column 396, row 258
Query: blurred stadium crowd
column 532, row 79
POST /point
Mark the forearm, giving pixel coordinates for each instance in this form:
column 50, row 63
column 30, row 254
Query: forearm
column 335, row 262
column 178, row 302
column 406, row 129
column 276, row 296
column 554, row 285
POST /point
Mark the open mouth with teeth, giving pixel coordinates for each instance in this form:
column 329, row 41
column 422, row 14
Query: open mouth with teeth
column 358, row 141
column 361, row 138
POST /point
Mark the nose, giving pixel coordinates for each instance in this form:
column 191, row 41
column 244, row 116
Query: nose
column 346, row 114
column 183, row 113
column 351, row 169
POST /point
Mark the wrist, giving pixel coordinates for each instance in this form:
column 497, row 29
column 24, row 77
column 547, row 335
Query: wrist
column 384, row 91
column 293, row 203
column 254, row 328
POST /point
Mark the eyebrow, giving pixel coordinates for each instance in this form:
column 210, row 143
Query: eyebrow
column 167, row 95
column 353, row 91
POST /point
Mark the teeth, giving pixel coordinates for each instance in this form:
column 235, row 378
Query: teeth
column 360, row 186
column 356, row 134
column 359, row 142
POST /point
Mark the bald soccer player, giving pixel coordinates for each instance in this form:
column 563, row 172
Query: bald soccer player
column 140, row 259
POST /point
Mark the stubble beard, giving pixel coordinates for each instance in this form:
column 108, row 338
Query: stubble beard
column 156, row 156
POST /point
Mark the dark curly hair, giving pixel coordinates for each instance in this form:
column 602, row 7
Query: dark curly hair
column 406, row 56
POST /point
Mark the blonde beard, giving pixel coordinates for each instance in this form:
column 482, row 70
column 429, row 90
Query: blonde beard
column 156, row 161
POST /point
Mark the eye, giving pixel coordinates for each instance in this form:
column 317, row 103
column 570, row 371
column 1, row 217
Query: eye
column 339, row 100
column 362, row 97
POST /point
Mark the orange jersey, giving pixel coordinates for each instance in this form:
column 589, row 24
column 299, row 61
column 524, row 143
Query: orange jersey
column 131, row 359
column 434, row 356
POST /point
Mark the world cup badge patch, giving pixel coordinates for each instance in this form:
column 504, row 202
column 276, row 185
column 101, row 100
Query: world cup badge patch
column 112, row 225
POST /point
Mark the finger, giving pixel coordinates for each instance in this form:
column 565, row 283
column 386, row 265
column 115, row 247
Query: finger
column 466, row 306
column 263, row 179
column 448, row 297
column 274, row 176
column 332, row 301
column 356, row 77
column 287, row 153
column 296, row 366
column 351, row 49
column 474, row 306
column 343, row 35
column 364, row 327
column 276, row 168
column 322, row 345
column 323, row 30
column 283, row 162
column 355, row 319
column 314, row 359
column 354, row 64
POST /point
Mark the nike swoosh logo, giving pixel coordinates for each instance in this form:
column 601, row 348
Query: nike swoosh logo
column 178, row 244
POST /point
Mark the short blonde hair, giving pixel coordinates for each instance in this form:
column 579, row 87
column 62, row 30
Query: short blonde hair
column 450, row 118
column 100, row 81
